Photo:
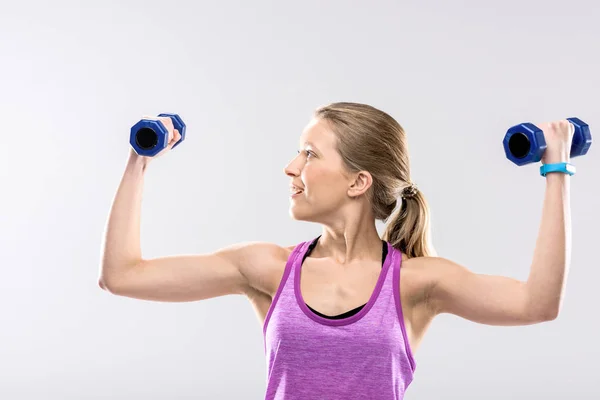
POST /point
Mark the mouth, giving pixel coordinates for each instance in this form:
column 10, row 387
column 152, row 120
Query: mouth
column 294, row 191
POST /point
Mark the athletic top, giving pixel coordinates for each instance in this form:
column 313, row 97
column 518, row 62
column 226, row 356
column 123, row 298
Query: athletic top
column 362, row 354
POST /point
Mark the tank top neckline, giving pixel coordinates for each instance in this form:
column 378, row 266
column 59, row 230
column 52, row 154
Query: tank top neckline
column 297, row 263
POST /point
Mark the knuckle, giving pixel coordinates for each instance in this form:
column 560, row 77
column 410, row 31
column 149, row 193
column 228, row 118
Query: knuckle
column 167, row 122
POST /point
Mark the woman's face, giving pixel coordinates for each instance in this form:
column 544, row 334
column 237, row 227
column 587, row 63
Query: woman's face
column 318, row 171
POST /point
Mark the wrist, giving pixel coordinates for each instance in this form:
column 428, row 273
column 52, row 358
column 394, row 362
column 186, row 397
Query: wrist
column 556, row 158
column 136, row 161
column 558, row 180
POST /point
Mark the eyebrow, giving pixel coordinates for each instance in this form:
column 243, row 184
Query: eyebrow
column 308, row 143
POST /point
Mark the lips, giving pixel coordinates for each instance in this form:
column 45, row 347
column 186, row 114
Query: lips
column 295, row 189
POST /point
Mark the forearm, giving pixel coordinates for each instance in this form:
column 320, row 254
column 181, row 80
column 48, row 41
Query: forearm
column 552, row 255
column 121, row 243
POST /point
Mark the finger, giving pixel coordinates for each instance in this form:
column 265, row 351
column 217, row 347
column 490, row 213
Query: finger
column 175, row 139
column 168, row 123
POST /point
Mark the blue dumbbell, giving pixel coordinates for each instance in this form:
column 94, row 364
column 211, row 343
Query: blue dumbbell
column 525, row 143
column 149, row 137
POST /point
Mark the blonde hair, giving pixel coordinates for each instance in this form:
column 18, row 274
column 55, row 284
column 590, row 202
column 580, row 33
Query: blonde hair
column 370, row 140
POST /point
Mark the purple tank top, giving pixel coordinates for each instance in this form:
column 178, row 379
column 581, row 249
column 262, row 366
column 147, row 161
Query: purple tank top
column 365, row 356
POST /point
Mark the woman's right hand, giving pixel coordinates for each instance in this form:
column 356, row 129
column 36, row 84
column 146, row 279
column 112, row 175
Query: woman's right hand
column 174, row 137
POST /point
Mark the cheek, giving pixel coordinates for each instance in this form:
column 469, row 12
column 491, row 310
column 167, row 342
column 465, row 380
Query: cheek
column 313, row 178
column 322, row 183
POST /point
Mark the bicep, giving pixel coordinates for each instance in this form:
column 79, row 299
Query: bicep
column 486, row 299
column 192, row 277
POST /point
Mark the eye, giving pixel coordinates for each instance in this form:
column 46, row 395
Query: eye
column 308, row 153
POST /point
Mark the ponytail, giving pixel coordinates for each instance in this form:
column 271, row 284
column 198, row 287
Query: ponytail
column 408, row 229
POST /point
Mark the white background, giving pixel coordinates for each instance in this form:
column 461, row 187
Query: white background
column 246, row 77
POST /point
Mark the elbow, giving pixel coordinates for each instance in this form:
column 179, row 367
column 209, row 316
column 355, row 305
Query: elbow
column 107, row 283
column 542, row 309
column 108, row 287
column 105, row 286
column 551, row 315
column 111, row 278
column 546, row 315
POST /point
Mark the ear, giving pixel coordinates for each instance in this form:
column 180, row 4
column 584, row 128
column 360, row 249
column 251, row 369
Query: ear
column 361, row 183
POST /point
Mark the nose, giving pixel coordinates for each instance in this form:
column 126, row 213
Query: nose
column 289, row 170
column 293, row 168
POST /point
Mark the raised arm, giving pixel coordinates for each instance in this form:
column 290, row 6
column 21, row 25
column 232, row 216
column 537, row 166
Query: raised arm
column 498, row 300
column 235, row 269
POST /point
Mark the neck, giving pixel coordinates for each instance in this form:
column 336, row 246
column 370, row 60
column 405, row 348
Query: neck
column 350, row 243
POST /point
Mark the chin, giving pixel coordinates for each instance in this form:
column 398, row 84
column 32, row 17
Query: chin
column 294, row 215
column 298, row 216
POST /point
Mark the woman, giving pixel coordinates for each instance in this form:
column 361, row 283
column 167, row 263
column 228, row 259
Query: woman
column 347, row 327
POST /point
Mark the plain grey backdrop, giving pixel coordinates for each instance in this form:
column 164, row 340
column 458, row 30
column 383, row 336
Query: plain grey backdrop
column 246, row 76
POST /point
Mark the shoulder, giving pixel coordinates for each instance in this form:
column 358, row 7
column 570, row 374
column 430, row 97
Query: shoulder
column 420, row 275
column 430, row 266
column 263, row 263
column 250, row 254
column 432, row 269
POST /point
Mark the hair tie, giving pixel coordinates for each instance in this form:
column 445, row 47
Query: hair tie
column 409, row 191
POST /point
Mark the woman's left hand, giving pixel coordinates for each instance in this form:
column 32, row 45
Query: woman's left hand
column 558, row 136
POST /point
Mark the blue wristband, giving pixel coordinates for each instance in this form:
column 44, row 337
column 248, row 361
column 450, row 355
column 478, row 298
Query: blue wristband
column 558, row 167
